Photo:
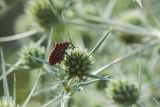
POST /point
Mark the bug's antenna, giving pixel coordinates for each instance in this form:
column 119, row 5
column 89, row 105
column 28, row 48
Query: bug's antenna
column 66, row 28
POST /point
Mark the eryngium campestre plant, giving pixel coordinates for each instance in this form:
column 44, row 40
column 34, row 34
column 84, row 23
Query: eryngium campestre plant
column 124, row 93
column 41, row 13
column 37, row 52
column 134, row 17
column 78, row 63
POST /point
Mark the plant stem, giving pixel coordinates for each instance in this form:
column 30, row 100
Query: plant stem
column 19, row 62
column 33, row 89
column 18, row 36
column 100, row 42
column 100, row 23
column 10, row 70
column 138, row 50
column 5, row 81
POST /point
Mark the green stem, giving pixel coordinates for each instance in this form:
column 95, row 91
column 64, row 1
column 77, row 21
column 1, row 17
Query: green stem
column 108, row 9
column 18, row 36
column 33, row 89
column 100, row 42
column 138, row 50
column 19, row 62
column 49, row 42
column 51, row 101
column 11, row 69
column 5, row 81
column 101, row 23
column 150, row 13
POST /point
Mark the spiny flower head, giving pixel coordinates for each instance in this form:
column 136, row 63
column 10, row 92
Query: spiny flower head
column 37, row 52
column 124, row 93
column 41, row 13
column 133, row 17
column 78, row 63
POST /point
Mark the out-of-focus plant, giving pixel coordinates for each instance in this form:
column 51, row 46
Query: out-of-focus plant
column 124, row 93
column 134, row 17
column 31, row 50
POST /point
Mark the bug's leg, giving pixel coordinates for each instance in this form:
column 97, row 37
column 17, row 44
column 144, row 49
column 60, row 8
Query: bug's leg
column 67, row 54
column 72, row 46
column 60, row 60
column 61, row 56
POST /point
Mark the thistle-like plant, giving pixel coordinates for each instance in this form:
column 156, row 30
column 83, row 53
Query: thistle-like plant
column 134, row 17
column 78, row 63
column 42, row 13
column 29, row 51
column 124, row 93
column 46, row 13
column 75, row 70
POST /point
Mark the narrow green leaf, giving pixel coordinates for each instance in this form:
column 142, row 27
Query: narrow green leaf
column 5, row 81
column 53, row 71
column 49, row 42
column 108, row 9
column 63, row 95
column 18, row 36
column 12, row 68
column 47, row 89
column 14, row 88
column 19, row 62
column 156, row 101
column 134, row 52
column 31, row 93
column 98, row 77
column 40, row 60
column 151, row 13
column 120, row 26
column 85, row 83
column 66, row 28
column 41, row 40
column 51, row 101
column 139, row 2
column 44, row 61
column 62, row 81
column 100, row 42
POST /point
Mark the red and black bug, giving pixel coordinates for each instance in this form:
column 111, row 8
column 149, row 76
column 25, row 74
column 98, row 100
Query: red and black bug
column 58, row 52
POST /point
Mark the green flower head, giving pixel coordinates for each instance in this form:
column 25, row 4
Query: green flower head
column 37, row 52
column 124, row 93
column 41, row 13
column 133, row 17
column 78, row 63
